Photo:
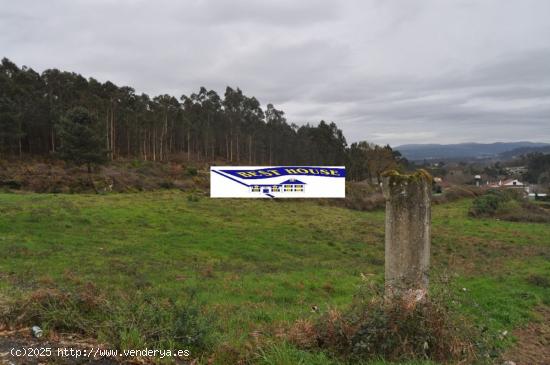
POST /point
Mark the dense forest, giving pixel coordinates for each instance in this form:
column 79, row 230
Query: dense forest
column 201, row 126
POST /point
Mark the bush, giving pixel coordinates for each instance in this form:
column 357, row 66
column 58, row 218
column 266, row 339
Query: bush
column 192, row 171
column 508, row 205
column 486, row 204
column 396, row 330
column 493, row 200
column 400, row 331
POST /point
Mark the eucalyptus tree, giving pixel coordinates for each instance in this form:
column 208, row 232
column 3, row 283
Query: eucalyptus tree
column 233, row 104
column 253, row 126
column 203, row 125
column 10, row 129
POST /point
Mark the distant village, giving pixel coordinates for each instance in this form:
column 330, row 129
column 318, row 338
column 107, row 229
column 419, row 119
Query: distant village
column 488, row 177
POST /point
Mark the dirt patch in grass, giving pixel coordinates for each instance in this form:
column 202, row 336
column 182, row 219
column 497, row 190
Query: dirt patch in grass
column 533, row 342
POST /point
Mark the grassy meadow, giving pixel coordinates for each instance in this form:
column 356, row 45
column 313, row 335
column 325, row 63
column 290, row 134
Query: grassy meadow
column 249, row 268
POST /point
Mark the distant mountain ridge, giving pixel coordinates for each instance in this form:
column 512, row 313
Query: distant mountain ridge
column 523, row 151
column 417, row 152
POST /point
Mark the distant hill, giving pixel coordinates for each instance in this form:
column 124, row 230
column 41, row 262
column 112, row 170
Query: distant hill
column 508, row 155
column 416, row 152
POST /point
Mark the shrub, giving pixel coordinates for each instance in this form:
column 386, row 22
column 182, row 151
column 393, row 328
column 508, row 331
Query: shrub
column 399, row 331
column 486, row 204
column 192, row 171
column 508, row 205
column 490, row 202
column 395, row 330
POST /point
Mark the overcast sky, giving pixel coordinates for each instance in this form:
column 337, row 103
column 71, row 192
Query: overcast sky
column 426, row 71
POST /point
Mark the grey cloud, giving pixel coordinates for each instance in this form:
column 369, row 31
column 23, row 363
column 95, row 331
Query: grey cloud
column 385, row 71
column 276, row 13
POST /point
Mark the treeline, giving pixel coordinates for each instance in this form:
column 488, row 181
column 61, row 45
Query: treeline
column 202, row 126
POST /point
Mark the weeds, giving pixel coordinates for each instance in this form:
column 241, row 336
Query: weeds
column 122, row 322
column 394, row 330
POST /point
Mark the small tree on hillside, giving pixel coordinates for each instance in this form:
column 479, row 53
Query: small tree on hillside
column 81, row 142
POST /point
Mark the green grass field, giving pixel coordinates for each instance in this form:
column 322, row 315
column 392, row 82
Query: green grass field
column 254, row 266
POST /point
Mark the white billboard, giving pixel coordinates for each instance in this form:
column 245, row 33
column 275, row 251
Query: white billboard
column 278, row 182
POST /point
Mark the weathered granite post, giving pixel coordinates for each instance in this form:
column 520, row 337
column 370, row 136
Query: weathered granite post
column 408, row 226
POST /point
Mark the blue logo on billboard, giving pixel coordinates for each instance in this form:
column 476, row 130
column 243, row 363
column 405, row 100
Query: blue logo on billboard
column 252, row 178
column 286, row 171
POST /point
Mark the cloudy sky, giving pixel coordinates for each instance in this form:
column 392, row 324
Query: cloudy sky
column 425, row 71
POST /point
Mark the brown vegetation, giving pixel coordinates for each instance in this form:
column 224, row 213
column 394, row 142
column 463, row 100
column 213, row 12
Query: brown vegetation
column 457, row 192
column 394, row 330
column 120, row 176
column 533, row 341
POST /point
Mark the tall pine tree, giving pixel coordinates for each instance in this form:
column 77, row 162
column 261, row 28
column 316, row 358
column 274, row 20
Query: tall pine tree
column 81, row 142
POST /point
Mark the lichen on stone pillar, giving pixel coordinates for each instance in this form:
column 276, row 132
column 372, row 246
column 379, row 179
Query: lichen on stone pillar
column 408, row 233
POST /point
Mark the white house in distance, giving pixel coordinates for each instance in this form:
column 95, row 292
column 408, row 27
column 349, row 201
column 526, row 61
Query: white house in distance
column 510, row 183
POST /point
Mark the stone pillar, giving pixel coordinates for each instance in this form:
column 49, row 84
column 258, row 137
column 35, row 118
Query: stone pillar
column 408, row 238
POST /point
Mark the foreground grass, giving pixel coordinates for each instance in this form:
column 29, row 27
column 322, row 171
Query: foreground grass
column 257, row 265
